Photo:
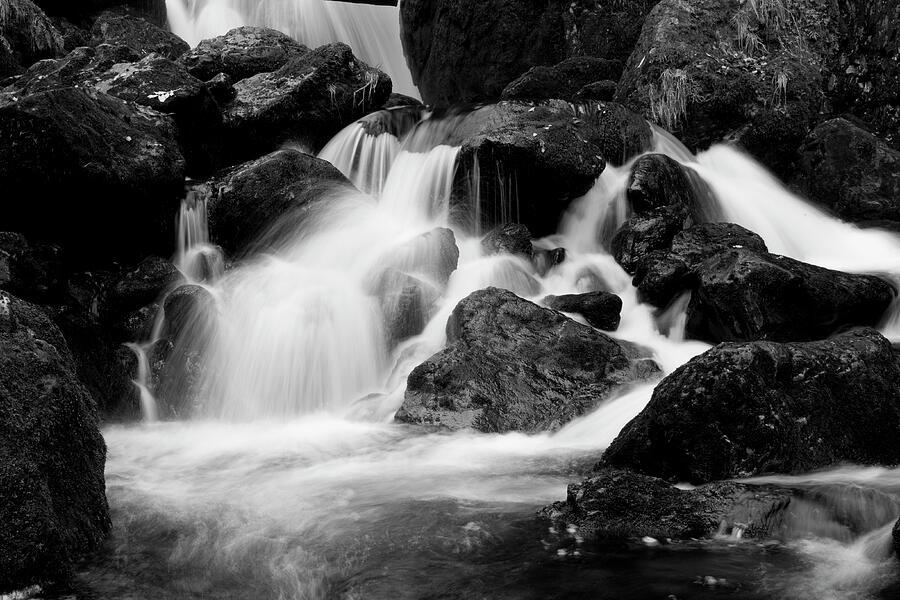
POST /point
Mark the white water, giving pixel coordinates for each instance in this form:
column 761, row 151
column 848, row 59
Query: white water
column 373, row 32
column 293, row 458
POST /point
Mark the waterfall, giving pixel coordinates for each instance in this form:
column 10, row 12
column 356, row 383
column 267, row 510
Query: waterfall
column 373, row 32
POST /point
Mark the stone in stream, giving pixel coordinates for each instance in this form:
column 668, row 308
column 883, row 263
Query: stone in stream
column 308, row 100
column 543, row 157
column 600, row 309
column 241, row 53
column 249, row 199
column 52, row 492
column 511, row 365
column 512, row 238
column 118, row 28
column 406, row 303
column 851, row 172
column 140, row 286
column 563, row 81
column 432, row 256
column 67, row 143
column 746, row 409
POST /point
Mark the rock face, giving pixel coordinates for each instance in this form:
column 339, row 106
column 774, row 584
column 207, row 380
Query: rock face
column 138, row 34
column 616, row 504
column 245, row 200
column 66, row 144
column 743, row 295
column 84, row 10
column 242, row 53
column 545, row 156
column 708, row 69
column 761, row 407
column 851, row 172
column 26, row 36
column 52, row 492
column 601, row 309
column 469, row 51
column 308, row 100
column 511, row 365
column 565, row 81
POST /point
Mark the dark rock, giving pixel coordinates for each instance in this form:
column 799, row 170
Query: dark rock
column 141, row 286
column 619, row 504
column 469, row 51
column 69, row 143
column 641, row 235
column 563, row 80
column 543, row 156
column 712, row 69
column 308, row 100
column 511, row 365
column 33, row 272
column 138, row 34
column 432, row 256
column 851, row 172
column 242, row 53
column 82, row 66
column 26, row 36
column 601, row 309
column 72, row 35
column 406, row 303
column 658, row 181
column 185, row 307
column 221, row 87
column 52, row 492
column 248, row 199
column 706, row 240
column 163, row 85
column 762, row 407
column 508, row 239
column 743, row 295
column 544, row 260
column 605, row 91
column 659, row 277
column 396, row 100
column 84, row 11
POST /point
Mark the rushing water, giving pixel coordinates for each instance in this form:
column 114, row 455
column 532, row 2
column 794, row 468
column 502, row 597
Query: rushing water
column 372, row 31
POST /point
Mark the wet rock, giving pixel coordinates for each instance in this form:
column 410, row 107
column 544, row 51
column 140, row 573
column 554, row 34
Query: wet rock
column 657, row 182
column 711, row 69
column 241, row 53
column 184, row 307
column 33, row 272
column 141, row 286
column 249, row 199
column 221, row 87
column 82, row 66
column 545, row 156
column 512, row 238
column 26, row 36
column 604, row 91
column 406, row 303
column 659, row 277
column 68, row 143
column 470, row 51
column 432, row 256
column 562, row 81
column 396, row 100
column 743, row 295
column 52, row 491
column 641, row 235
column 621, row 504
column 308, row 100
column 511, row 365
column 851, row 172
column 707, row 240
column 86, row 10
column 762, row 407
column 138, row 34
column 600, row 309
column 544, row 259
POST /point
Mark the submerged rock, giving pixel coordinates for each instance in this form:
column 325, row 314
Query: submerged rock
column 742, row 295
column 144, row 37
column 249, row 199
column 52, row 491
column 241, row 53
column 851, row 172
column 65, row 144
column 761, row 407
column 511, row 365
column 530, row 162
column 600, row 309
column 406, row 303
column 620, row 504
column 512, row 238
column 308, row 100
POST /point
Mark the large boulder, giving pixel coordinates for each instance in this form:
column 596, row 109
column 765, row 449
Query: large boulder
column 544, row 155
column 743, row 295
column 469, row 51
column 308, row 100
column 249, row 198
column 242, row 53
column 564, row 81
column 122, row 29
column 52, row 491
column 761, row 407
column 710, row 69
column 851, row 172
column 108, row 173
column 26, row 36
column 139, row 287
column 620, row 504
column 511, row 365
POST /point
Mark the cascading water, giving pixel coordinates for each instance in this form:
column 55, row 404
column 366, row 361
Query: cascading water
column 292, row 482
column 373, row 32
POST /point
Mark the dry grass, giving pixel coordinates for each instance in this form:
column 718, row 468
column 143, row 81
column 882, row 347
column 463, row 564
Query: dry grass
column 668, row 100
